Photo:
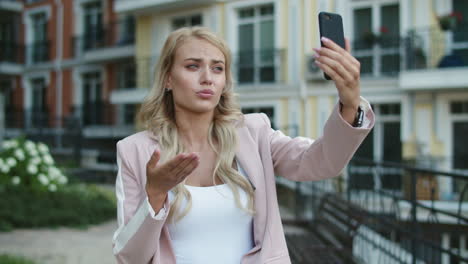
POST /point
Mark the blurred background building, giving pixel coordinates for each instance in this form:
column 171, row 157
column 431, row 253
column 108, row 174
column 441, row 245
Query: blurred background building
column 73, row 73
column 82, row 68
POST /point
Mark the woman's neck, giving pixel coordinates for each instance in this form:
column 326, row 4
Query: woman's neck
column 193, row 128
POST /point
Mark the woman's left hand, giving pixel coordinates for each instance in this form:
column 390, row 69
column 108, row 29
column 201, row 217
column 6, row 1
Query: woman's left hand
column 344, row 70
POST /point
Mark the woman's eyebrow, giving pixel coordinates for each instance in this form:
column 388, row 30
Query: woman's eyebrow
column 200, row 60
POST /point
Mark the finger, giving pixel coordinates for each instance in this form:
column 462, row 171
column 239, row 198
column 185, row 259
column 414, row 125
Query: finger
column 330, row 72
column 337, row 67
column 154, row 159
column 348, row 45
column 348, row 65
column 188, row 170
column 174, row 162
column 337, row 48
column 177, row 170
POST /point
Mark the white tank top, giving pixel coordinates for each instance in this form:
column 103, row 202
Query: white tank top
column 215, row 230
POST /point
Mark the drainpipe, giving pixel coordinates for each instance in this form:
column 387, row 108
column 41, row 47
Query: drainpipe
column 58, row 70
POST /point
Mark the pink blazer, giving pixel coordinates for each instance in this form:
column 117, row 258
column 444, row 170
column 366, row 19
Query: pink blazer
column 262, row 153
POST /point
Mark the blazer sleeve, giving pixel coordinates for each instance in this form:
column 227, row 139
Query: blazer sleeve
column 303, row 159
column 137, row 237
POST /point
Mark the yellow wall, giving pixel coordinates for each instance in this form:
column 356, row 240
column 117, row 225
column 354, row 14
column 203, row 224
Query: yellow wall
column 313, row 120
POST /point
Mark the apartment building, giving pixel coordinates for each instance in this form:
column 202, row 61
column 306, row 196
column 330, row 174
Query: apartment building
column 60, row 62
column 93, row 60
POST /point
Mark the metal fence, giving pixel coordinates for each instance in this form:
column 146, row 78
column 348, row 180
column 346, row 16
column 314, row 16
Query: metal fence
column 404, row 223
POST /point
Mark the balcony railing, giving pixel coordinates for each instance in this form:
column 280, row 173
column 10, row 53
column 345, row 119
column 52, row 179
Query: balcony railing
column 11, row 52
column 402, row 222
column 421, row 48
column 114, row 35
column 259, row 66
column 39, row 52
column 26, row 119
column 95, row 114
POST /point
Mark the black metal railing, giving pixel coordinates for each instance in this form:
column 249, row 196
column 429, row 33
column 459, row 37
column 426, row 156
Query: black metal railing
column 419, row 48
column 39, row 51
column 95, row 114
column 259, row 66
column 113, row 35
column 404, row 222
column 11, row 52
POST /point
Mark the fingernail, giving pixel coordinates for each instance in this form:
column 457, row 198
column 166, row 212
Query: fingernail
column 318, row 62
column 316, row 49
column 324, row 39
column 316, row 55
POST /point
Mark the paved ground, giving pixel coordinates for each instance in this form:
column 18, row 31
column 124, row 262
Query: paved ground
column 72, row 246
column 63, row 245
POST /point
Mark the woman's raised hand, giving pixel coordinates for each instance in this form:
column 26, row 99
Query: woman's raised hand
column 161, row 178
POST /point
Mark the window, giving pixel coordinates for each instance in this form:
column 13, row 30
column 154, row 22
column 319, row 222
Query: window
column 126, row 75
column 269, row 111
column 40, row 52
column 39, row 113
column 93, row 29
column 377, row 38
column 129, row 114
column 460, row 34
column 187, row 21
column 126, row 31
column 382, row 143
column 8, row 39
column 256, row 43
column 459, row 111
column 93, row 107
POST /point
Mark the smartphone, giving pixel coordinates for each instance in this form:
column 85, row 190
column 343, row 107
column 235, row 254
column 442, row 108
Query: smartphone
column 331, row 27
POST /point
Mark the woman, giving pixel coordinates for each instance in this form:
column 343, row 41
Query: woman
column 198, row 186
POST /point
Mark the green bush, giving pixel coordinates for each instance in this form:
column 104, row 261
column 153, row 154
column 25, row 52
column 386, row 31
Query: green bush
column 76, row 205
column 7, row 259
column 24, row 163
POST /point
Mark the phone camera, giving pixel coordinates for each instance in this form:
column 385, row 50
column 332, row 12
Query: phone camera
column 327, row 17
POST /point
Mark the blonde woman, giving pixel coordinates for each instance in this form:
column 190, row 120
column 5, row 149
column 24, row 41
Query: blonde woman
column 198, row 186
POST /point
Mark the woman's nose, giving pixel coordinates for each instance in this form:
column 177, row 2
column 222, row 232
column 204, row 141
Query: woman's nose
column 206, row 77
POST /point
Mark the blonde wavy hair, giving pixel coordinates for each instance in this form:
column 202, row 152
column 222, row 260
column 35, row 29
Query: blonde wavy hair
column 157, row 114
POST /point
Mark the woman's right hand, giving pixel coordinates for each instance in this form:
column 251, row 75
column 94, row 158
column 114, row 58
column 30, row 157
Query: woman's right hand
column 161, row 178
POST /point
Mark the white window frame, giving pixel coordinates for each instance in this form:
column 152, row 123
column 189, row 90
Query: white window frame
column 376, row 52
column 276, row 105
column 28, row 21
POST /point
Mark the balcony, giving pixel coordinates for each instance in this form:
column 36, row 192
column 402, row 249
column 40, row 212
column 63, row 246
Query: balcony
column 38, row 52
column 100, row 120
column 115, row 41
column 11, row 58
column 259, row 68
column 156, row 6
column 11, row 5
column 436, row 59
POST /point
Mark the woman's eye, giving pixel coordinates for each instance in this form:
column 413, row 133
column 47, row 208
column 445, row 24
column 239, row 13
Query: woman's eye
column 192, row 66
column 218, row 69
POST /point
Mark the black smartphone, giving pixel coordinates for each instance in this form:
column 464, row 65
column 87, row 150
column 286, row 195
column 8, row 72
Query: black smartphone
column 331, row 27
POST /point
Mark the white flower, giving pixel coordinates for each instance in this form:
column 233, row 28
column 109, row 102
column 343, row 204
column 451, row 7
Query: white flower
column 19, row 153
column 52, row 187
column 1, row 162
column 33, row 152
column 30, row 145
column 6, row 144
column 48, row 159
column 36, row 160
column 54, row 172
column 32, row 169
column 42, row 148
column 11, row 162
column 15, row 180
column 62, row 179
column 5, row 168
column 43, row 179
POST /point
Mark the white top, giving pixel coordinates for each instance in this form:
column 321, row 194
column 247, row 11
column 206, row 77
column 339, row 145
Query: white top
column 215, row 230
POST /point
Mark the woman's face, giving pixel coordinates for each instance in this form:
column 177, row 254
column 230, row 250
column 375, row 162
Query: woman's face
column 197, row 77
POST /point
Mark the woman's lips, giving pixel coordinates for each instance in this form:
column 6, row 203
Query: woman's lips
column 205, row 94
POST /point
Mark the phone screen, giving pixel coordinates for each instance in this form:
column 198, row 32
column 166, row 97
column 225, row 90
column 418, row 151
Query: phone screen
column 331, row 27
